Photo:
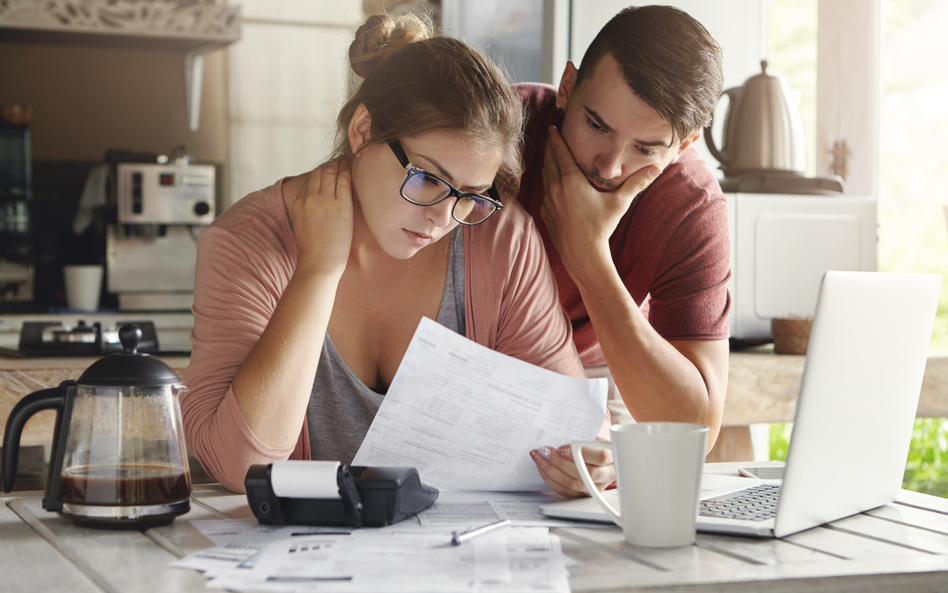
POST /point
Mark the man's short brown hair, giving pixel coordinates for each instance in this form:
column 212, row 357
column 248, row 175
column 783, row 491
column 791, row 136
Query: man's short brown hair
column 668, row 59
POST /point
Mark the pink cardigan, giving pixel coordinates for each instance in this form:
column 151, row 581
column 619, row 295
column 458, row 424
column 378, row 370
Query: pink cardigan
column 247, row 257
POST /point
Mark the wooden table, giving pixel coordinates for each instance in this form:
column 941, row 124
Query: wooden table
column 902, row 546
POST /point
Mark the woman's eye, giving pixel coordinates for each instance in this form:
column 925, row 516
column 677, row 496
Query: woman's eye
column 429, row 180
column 645, row 151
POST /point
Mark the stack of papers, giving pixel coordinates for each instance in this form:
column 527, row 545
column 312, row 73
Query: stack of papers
column 415, row 555
column 466, row 418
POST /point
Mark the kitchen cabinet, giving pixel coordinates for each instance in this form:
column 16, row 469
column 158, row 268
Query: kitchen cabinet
column 190, row 26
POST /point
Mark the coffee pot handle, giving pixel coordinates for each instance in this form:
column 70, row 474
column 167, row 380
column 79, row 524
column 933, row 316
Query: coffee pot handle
column 733, row 94
column 46, row 399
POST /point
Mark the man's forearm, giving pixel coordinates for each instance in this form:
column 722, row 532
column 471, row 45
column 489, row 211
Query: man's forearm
column 657, row 380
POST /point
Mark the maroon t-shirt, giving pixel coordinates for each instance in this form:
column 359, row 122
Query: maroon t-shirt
column 671, row 248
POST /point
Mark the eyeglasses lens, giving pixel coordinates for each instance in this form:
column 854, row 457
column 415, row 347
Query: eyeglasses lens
column 426, row 189
column 472, row 210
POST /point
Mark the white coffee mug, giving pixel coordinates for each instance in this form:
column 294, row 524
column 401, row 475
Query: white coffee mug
column 658, row 477
column 83, row 286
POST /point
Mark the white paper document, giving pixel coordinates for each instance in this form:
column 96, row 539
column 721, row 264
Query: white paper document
column 466, row 417
column 239, row 541
column 465, row 509
column 516, row 559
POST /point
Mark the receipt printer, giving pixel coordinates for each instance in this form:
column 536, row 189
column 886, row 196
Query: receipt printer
column 329, row 493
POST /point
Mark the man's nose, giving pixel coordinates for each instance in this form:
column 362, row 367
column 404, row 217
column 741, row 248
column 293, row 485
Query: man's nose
column 609, row 164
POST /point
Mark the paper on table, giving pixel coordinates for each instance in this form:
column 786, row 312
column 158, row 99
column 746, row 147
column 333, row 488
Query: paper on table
column 466, row 417
column 238, row 540
column 518, row 559
column 466, row 508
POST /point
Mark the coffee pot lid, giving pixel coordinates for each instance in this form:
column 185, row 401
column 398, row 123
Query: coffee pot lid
column 129, row 367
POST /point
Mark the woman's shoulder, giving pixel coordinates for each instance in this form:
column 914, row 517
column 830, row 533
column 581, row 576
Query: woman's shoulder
column 511, row 223
column 505, row 242
column 259, row 208
column 259, row 217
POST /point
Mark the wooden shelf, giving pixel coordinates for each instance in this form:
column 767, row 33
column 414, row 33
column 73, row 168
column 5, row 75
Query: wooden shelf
column 185, row 25
column 190, row 26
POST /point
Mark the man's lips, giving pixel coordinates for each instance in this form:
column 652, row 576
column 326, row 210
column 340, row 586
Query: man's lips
column 596, row 182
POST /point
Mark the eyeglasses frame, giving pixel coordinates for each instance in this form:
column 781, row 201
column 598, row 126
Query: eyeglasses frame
column 410, row 171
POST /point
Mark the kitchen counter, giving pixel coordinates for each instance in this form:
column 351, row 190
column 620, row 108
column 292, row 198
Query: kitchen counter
column 762, row 388
column 174, row 329
column 20, row 377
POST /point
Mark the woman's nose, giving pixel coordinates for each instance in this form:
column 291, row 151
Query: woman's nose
column 440, row 214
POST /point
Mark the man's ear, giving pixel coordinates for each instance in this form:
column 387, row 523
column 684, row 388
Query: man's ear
column 360, row 129
column 688, row 141
column 567, row 84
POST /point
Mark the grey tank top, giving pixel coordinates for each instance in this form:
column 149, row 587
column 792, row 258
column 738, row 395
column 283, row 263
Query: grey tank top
column 341, row 407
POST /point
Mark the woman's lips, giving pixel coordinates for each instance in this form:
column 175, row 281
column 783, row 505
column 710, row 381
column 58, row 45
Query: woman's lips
column 418, row 239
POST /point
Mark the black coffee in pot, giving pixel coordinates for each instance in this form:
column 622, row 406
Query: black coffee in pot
column 124, row 485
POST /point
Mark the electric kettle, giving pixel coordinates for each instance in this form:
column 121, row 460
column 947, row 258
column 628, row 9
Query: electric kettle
column 118, row 457
column 763, row 129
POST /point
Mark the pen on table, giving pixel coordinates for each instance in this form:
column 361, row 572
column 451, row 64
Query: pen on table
column 463, row 536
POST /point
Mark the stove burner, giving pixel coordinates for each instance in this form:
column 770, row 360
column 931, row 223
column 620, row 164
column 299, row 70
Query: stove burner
column 38, row 338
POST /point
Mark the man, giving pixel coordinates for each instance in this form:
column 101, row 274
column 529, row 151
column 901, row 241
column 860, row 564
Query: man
column 633, row 221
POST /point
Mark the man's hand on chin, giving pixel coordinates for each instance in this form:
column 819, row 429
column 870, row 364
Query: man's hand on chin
column 579, row 217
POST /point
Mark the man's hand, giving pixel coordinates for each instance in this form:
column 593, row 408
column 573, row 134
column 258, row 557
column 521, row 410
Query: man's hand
column 322, row 219
column 579, row 217
column 558, row 470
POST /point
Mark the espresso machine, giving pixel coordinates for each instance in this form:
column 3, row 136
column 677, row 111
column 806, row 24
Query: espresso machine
column 151, row 247
column 16, row 262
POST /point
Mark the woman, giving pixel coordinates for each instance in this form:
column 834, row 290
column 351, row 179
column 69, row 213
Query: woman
column 307, row 293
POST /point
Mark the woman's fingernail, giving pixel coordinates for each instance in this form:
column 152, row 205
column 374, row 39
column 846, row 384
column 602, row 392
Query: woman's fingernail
column 566, row 451
column 546, row 452
column 534, row 454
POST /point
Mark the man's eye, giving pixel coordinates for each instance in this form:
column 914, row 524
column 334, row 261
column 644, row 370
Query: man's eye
column 645, row 151
column 592, row 124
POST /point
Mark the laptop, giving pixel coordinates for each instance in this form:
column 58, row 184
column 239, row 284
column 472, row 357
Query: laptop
column 861, row 384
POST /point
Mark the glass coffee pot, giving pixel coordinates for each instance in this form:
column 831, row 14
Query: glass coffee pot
column 118, row 456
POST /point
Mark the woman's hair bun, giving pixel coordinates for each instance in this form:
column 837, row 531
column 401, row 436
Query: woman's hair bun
column 382, row 35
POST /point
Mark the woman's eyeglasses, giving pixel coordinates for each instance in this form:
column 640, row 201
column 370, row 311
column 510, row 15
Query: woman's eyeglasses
column 425, row 189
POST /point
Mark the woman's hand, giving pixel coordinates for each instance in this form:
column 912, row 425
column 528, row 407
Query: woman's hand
column 322, row 220
column 558, row 470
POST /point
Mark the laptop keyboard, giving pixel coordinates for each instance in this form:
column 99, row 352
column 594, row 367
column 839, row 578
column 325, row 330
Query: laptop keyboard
column 757, row 503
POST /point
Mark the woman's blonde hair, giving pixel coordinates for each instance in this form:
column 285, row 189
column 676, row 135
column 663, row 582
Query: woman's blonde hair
column 416, row 81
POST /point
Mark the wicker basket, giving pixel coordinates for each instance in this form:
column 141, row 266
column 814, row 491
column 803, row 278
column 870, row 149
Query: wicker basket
column 791, row 335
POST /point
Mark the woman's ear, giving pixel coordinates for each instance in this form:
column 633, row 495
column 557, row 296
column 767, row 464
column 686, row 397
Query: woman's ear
column 360, row 129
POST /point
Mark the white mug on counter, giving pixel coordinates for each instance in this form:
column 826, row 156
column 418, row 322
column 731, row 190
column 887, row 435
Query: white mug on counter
column 83, row 287
column 658, row 476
